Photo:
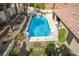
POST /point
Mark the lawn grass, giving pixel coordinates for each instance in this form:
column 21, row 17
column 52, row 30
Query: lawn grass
column 14, row 52
column 62, row 35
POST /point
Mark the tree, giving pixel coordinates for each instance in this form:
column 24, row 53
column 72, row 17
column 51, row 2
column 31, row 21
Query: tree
column 2, row 5
column 15, row 8
column 5, row 9
column 31, row 4
column 37, row 5
column 5, row 6
column 25, row 6
column 51, row 49
column 62, row 50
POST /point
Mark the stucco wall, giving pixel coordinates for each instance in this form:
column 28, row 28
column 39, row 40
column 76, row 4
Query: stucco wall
column 74, row 46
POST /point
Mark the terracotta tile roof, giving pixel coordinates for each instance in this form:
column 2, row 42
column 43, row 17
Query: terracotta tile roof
column 59, row 5
column 70, row 17
column 64, row 5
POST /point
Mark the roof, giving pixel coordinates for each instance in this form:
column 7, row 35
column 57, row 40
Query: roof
column 70, row 17
column 64, row 5
column 59, row 5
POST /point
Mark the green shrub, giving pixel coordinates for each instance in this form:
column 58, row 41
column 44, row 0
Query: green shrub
column 37, row 5
column 62, row 35
column 2, row 24
column 20, row 36
column 29, row 52
column 14, row 52
column 51, row 49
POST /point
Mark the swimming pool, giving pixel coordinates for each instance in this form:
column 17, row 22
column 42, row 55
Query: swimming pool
column 39, row 26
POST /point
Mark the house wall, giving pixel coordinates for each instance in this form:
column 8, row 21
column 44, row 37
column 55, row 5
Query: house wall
column 74, row 46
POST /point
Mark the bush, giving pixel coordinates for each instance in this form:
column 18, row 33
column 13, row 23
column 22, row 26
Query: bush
column 2, row 6
column 14, row 52
column 38, row 5
column 51, row 49
column 62, row 35
column 20, row 36
column 2, row 24
column 29, row 52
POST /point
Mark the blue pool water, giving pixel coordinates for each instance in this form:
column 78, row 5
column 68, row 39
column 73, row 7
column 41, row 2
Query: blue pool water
column 39, row 26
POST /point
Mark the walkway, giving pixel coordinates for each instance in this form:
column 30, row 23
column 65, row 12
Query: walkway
column 23, row 49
